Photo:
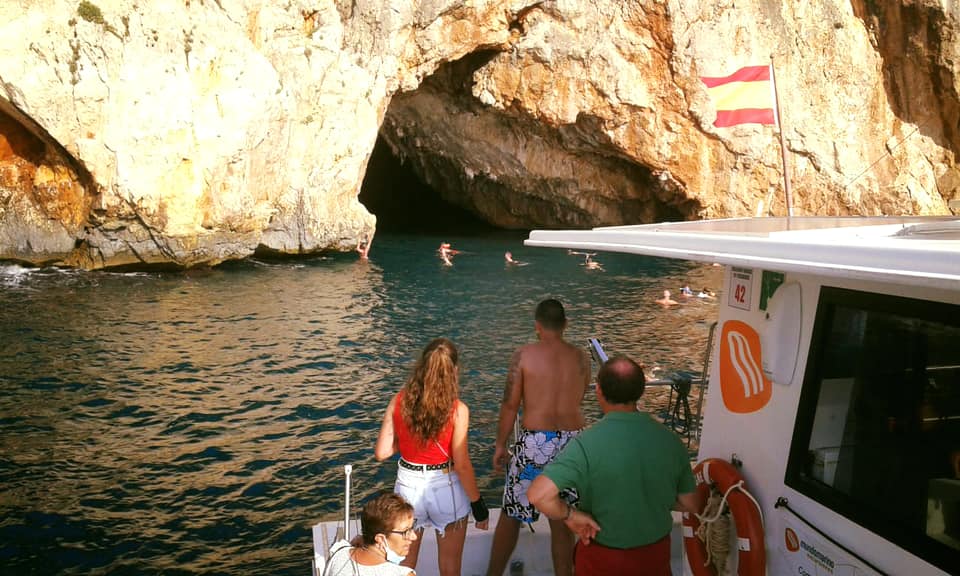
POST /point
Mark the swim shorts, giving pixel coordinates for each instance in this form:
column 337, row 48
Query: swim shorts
column 437, row 497
column 532, row 451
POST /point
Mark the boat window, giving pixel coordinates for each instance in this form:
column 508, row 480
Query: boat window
column 877, row 437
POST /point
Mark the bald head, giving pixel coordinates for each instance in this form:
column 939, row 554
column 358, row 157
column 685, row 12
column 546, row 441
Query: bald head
column 621, row 380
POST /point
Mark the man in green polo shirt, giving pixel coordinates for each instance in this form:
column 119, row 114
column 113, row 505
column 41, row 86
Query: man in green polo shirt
column 630, row 472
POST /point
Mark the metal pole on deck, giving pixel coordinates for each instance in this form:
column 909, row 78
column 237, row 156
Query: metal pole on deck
column 347, row 469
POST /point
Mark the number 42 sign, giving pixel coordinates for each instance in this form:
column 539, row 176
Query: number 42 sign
column 741, row 283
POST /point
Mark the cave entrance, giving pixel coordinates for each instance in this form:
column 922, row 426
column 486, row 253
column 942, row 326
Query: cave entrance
column 403, row 203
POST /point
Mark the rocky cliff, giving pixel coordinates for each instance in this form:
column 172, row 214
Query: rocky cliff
column 193, row 131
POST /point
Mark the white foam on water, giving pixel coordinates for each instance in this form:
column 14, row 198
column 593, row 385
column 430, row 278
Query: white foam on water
column 13, row 274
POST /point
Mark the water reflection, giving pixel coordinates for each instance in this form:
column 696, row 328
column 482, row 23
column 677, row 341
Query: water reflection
column 199, row 422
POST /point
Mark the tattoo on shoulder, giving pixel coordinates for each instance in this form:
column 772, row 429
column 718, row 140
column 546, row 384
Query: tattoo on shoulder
column 513, row 374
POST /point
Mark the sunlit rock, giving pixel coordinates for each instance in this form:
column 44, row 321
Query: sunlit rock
column 207, row 129
column 190, row 133
column 594, row 114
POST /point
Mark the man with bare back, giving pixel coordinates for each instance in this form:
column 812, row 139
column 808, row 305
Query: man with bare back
column 548, row 379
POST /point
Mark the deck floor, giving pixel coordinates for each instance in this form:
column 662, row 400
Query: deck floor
column 532, row 551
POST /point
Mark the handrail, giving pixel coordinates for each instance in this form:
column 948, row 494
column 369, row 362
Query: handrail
column 704, row 377
column 596, row 350
column 600, row 356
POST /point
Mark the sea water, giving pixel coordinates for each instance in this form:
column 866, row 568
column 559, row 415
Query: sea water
column 198, row 422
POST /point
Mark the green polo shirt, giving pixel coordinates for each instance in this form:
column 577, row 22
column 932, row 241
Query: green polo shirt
column 628, row 469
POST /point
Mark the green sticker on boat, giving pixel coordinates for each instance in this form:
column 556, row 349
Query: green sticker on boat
column 769, row 283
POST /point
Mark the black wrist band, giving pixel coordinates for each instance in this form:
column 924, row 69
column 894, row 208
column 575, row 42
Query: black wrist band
column 569, row 511
column 479, row 509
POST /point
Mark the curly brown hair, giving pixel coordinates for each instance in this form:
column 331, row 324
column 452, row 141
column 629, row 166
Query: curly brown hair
column 431, row 390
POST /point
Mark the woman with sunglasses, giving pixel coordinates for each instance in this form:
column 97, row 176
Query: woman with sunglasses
column 386, row 533
column 427, row 423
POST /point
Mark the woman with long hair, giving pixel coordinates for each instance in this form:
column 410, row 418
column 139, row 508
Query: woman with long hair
column 427, row 423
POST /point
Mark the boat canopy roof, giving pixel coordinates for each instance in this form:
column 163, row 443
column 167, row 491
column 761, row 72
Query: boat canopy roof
column 917, row 250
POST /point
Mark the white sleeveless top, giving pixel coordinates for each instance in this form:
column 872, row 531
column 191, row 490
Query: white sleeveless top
column 339, row 563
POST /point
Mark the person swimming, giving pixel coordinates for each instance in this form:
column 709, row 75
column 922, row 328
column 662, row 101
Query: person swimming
column 588, row 262
column 363, row 246
column 592, row 264
column 508, row 258
column 667, row 301
column 446, row 253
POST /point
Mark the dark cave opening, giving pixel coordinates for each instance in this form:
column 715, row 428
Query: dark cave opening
column 403, row 203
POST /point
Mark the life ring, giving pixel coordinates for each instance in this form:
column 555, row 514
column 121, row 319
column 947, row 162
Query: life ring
column 746, row 516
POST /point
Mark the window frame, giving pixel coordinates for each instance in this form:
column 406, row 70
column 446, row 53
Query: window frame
column 917, row 543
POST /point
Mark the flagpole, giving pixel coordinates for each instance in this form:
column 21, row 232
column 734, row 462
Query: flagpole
column 783, row 149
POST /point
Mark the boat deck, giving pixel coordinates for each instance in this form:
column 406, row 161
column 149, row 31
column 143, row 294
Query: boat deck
column 531, row 557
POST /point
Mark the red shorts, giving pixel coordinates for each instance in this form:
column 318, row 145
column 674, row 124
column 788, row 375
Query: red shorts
column 598, row 560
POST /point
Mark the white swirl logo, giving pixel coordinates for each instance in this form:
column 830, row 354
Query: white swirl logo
column 750, row 374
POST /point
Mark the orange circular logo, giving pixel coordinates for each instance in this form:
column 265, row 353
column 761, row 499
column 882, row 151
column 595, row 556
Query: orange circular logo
column 791, row 540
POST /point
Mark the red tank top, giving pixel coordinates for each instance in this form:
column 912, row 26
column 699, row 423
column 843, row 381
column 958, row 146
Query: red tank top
column 411, row 450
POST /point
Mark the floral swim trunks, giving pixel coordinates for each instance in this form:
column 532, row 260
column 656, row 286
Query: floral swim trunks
column 532, row 451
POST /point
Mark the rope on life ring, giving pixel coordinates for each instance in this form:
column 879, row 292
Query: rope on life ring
column 709, row 558
column 715, row 531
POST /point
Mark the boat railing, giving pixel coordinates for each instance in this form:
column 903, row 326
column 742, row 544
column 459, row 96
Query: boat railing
column 322, row 539
column 596, row 351
column 704, row 377
column 679, row 416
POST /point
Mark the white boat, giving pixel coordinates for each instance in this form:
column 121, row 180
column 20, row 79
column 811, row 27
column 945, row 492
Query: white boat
column 834, row 385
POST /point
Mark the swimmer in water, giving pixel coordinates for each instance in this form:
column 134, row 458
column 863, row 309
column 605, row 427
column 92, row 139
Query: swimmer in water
column 592, row 264
column 363, row 246
column 508, row 258
column 446, row 253
column 667, row 301
column 588, row 262
column 446, row 250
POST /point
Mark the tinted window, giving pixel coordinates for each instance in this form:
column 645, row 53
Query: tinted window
column 878, row 432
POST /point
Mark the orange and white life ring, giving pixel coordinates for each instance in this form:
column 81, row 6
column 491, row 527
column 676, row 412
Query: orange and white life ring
column 746, row 516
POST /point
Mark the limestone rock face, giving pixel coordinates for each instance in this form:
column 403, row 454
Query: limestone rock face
column 188, row 133
column 594, row 114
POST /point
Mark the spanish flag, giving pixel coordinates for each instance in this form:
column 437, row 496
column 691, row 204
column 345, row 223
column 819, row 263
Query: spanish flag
column 744, row 97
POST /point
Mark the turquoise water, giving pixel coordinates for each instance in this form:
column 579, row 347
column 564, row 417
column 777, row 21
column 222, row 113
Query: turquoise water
column 199, row 422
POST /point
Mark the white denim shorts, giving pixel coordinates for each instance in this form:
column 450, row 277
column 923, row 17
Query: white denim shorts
column 437, row 497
